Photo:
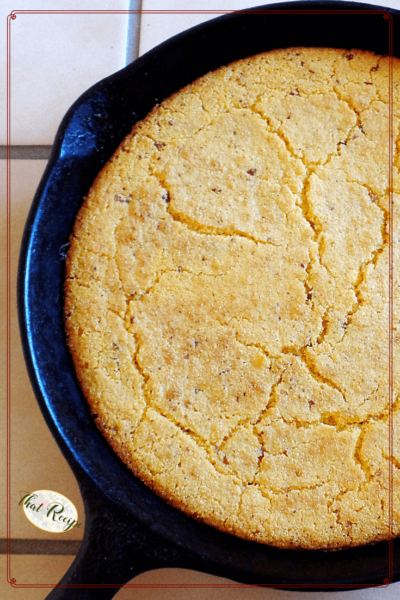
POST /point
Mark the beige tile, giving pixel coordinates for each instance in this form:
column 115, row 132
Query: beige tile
column 30, row 570
column 36, row 461
column 156, row 28
column 199, row 586
column 54, row 59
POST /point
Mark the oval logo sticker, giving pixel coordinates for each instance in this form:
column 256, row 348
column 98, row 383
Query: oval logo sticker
column 50, row 511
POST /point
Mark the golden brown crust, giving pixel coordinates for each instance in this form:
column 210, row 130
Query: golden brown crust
column 226, row 299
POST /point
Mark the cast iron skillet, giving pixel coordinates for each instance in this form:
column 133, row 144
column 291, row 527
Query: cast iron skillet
column 128, row 528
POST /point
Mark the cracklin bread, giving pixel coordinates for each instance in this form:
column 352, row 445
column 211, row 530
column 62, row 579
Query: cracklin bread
column 227, row 299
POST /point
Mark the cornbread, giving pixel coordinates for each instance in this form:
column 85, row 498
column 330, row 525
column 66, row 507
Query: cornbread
column 227, row 298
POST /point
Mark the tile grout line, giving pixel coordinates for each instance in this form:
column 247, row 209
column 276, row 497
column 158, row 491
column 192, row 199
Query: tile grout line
column 26, row 152
column 133, row 32
column 39, row 547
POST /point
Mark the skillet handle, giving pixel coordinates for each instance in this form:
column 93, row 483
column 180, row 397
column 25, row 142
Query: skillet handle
column 115, row 549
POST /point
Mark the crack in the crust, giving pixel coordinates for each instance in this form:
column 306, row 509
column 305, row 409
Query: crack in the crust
column 312, row 367
column 141, row 372
column 308, row 288
column 396, row 158
column 301, row 353
column 137, row 296
column 309, row 216
column 278, row 132
column 271, row 403
column 197, row 439
column 244, row 487
column 214, row 231
column 313, row 221
column 192, row 434
column 351, row 105
column 357, row 455
column 315, row 224
column 149, row 404
column 279, row 492
column 334, row 419
column 325, row 325
column 376, row 68
column 361, row 487
column 197, row 227
column 356, row 490
column 159, row 145
column 395, row 461
column 254, row 422
column 317, row 228
column 134, row 355
column 80, row 284
column 114, row 258
column 254, row 344
column 336, row 513
column 371, row 394
column 363, row 270
column 312, row 165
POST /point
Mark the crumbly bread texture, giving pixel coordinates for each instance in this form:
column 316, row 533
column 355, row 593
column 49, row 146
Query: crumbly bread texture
column 227, row 298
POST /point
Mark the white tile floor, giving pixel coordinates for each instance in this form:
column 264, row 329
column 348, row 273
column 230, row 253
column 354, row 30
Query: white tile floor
column 54, row 59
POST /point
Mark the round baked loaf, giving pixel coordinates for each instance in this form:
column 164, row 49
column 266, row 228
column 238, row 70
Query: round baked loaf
column 227, row 298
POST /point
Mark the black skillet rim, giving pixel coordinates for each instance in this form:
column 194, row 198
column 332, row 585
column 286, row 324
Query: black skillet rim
column 82, row 145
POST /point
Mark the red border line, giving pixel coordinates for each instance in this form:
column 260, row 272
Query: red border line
column 8, row 297
column 14, row 13
column 12, row 581
column 197, row 586
column 390, row 465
